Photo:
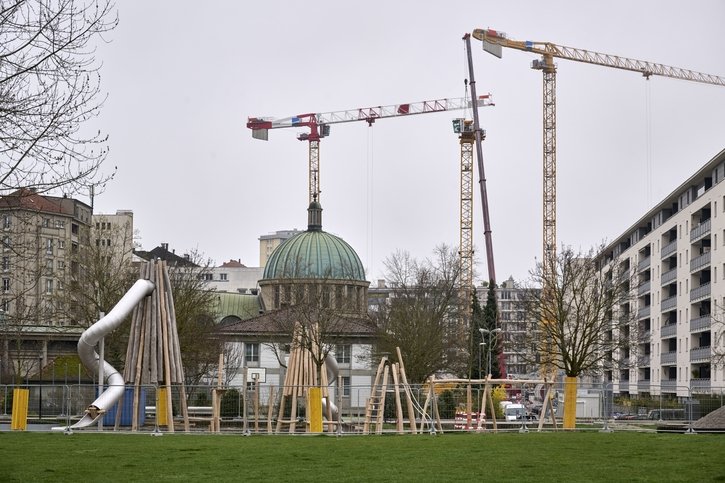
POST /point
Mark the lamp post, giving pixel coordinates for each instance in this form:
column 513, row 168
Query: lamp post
column 40, row 389
column 492, row 334
column 481, row 345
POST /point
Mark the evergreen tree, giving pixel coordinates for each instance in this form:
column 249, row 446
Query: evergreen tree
column 492, row 339
column 478, row 358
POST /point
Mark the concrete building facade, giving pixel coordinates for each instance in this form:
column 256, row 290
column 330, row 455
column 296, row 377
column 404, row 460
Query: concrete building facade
column 674, row 330
column 268, row 243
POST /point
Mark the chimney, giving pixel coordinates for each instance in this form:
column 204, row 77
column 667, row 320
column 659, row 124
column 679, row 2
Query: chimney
column 165, row 246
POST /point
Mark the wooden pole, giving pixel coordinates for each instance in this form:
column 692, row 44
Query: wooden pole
column 408, row 395
column 270, row 407
column 398, row 405
column 469, row 407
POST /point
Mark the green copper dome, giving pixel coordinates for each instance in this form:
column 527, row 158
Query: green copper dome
column 314, row 254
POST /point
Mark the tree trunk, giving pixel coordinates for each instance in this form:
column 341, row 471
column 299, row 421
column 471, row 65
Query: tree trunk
column 569, row 402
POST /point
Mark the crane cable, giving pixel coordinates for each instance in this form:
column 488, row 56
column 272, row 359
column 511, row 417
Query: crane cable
column 369, row 197
column 648, row 142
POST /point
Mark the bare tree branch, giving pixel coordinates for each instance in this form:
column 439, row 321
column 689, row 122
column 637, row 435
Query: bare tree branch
column 49, row 87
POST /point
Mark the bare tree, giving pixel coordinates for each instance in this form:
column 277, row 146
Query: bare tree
column 195, row 308
column 421, row 315
column 578, row 303
column 317, row 315
column 100, row 273
column 49, row 86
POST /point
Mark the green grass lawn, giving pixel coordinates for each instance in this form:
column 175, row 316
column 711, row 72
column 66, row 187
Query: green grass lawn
column 580, row 456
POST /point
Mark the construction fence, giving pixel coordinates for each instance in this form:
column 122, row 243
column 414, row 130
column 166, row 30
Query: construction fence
column 444, row 407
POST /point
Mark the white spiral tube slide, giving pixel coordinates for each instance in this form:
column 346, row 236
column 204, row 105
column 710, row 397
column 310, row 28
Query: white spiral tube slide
column 91, row 360
column 332, row 371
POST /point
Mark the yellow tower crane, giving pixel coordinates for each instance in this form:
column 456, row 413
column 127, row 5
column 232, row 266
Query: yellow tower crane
column 493, row 41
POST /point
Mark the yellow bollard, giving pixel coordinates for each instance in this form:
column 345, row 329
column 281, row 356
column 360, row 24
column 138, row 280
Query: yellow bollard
column 570, row 402
column 314, row 409
column 161, row 416
column 19, row 421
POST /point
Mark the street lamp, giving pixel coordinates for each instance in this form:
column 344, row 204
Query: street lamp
column 40, row 389
column 480, row 352
column 492, row 334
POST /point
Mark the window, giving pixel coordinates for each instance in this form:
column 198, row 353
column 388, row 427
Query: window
column 61, row 265
column 46, row 222
column 251, row 352
column 6, row 243
column 7, row 221
column 61, row 244
column 6, row 264
column 5, row 305
column 6, row 284
column 223, row 277
column 343, row 353
column 59, row 223
column 207, row 277
column 346, row 386
column 49, row 246
column 49, row 285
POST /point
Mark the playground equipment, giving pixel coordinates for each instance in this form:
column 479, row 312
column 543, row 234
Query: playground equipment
column 92, row 360
column 153, row 355
column 300, row 381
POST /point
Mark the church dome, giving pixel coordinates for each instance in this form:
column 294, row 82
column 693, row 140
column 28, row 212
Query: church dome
column 314, row 254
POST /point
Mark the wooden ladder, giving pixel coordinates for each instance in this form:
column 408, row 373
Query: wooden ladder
column 375, row 409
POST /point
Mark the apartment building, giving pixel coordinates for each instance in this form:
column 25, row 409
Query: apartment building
column 42, row 239
column 675, row 321
column 115, row 232
column 268, row 243
column 517, row 357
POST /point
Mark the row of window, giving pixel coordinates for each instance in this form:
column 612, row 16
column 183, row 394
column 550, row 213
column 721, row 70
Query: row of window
column 49, row 284
column 343, row 353
column 48, row 223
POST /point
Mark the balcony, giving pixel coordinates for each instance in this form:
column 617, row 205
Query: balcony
column 670, row 303
column 668, row 358
column 643, row 385
column 644, row 312
column 667, row 331
column 644, row 264
column 668, row 385
column 644, row 336
column 700, row 231
column 700, row 323
column 644, row 287
column 669, row 276
column 669, row 249
column 700, row 354
column 643, row 361
column 700, row 385
column 700, row 293
column 700, row 262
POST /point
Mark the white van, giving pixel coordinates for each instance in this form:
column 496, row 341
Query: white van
column 514, row 412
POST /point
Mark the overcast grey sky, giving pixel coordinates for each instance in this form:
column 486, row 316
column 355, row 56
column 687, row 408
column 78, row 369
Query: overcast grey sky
column 182, row 78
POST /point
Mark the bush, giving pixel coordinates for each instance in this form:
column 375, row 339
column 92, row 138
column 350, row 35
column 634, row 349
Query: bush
column 447, row 405
column 230, row 404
